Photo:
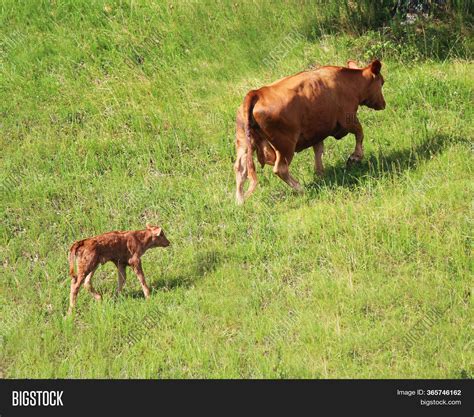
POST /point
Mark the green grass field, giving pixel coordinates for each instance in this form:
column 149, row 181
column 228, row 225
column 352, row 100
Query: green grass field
column 114, row 114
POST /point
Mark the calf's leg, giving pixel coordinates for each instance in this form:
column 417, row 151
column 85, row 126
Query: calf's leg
column 122, row 275
column 75, row 287
column 89, row 287
column 137, row 268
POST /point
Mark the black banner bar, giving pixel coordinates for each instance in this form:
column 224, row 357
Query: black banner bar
column 129, row 397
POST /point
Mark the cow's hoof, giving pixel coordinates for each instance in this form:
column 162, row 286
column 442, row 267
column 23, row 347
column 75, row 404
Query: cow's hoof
column 298, row 189
column 353, row 160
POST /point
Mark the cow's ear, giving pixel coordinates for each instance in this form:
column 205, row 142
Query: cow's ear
column 352, row 64
column 149, row 226
column 375, row 67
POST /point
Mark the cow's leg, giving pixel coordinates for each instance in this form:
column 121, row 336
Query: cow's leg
column 122, row 275
column 358, row 153
column 318, row 158
column 281, row 168
column 240, row 168
column 89, row 287
column 137, row 268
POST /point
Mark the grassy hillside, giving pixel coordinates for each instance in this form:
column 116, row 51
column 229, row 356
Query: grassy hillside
column 118, row 113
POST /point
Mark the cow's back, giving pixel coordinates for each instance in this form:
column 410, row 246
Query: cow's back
column 312, row 104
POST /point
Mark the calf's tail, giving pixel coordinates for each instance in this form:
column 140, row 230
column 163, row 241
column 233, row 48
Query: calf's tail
column 249, row 103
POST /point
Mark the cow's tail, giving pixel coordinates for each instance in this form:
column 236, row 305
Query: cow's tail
column 72, row 258
column 249, row 102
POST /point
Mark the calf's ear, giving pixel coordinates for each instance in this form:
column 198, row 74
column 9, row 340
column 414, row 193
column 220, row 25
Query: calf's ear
column 375, row 67
column 149, row 226
column 352, row 64
column 157, row 231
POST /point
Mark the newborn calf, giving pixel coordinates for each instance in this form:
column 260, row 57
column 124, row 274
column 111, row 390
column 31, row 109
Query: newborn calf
column 122, row 248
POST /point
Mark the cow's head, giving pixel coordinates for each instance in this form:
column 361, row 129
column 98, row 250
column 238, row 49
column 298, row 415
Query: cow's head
column 373, row 96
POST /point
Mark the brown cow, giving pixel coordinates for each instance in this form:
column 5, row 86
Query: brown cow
column 300, row 111
column 122, row 248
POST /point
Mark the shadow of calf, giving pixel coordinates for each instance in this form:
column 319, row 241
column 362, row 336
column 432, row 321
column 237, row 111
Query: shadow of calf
column 199, row 265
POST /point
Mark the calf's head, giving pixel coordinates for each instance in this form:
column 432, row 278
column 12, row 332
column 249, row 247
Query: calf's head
column 158, row 237
column 373, row 96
